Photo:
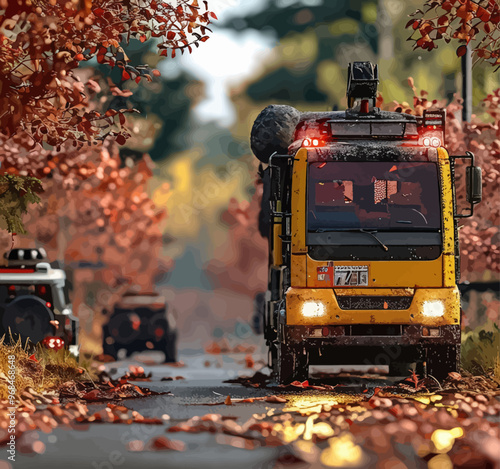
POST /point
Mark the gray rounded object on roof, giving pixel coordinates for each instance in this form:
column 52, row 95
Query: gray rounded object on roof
column 273, row 131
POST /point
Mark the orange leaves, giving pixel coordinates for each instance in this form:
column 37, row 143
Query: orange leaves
column 460, row 20
column 483, row 14
column 163, row 443
column 93, row 86
column 115, row 91
column 479, row 240
column 55, row 46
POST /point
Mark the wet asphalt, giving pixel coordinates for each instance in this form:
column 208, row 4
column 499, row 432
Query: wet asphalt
column 104, row 445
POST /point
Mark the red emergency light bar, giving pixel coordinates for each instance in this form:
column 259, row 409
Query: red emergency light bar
column 431, row 128
column 313, row 142
column 428, row 129
column 11, row 270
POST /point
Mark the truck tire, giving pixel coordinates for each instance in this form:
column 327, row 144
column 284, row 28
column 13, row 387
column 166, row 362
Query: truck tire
column 272, row 356
column 441, row 360
column 292, row 364
column 259, row 310
column 27, row 317
column 169, row 347
column 273, row 131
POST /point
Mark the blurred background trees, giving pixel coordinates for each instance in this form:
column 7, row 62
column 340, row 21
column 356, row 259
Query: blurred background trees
column 63, row 91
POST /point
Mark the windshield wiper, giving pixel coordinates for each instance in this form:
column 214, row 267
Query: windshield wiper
column 372, row 234
column 355, row 230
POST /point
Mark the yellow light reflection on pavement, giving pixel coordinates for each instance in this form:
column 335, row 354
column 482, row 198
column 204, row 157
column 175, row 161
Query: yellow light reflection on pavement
column 445, row 439
column 343, row 452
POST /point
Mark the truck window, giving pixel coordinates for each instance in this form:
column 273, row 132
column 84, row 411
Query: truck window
column 373, row 195
column 333, row 193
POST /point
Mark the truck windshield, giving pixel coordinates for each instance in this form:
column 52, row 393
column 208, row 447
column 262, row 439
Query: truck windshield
column 373, row 195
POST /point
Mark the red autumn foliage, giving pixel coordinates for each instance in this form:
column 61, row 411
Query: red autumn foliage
column 96, row 217
column 479, row 235
column 42, row 44
column 469, row 22
column 103, row 390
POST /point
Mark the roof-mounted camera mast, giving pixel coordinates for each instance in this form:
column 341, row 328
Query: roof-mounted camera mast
column 362, row 81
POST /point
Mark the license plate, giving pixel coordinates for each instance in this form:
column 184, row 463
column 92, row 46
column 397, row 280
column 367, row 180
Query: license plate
column 352, row 275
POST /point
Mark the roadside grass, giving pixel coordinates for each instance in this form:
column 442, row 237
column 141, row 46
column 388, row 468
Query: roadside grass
column 38, row 368
column 481, row 350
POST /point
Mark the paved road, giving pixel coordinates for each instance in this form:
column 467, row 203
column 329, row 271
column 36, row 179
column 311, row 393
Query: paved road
column 104, row 446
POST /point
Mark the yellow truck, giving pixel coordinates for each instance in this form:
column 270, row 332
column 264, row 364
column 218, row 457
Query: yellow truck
column 363, row 236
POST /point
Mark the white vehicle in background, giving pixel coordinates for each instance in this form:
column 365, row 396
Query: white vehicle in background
column 33, row 304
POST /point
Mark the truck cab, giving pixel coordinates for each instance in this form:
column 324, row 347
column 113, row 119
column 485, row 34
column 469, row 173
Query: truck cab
column 364, row 256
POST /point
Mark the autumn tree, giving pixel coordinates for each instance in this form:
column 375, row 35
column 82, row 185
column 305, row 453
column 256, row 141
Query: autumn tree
column 467, row 22
column 43, row 42
column 60, row 126
column 45, row 97
column 479, row 235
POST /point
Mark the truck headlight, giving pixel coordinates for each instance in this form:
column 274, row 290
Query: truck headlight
column 433, row 309
column 313, row 309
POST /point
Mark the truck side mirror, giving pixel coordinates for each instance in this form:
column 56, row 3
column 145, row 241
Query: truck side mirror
column 474, row 184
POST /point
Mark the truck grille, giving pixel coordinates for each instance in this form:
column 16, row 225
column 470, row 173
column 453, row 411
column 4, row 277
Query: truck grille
column 374, row 302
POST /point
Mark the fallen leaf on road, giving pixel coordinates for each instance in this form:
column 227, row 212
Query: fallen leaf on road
column 179, row 364
column 236, row 441
column 276, row 399
column 136, row 373
column 162, row 443
column 249, row 361
column 258, row 380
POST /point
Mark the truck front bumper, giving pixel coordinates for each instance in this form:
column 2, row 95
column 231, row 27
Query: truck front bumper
column 433, row 307
column 379, row 335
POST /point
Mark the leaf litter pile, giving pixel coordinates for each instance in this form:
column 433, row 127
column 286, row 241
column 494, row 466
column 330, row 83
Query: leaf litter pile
column 413, row 423
column 66, row 403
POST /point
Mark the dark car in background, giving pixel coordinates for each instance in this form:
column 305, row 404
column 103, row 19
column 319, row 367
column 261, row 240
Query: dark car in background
column 33, row 302
column 138, row 322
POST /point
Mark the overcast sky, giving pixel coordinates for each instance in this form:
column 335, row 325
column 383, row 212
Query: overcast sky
column 226, row 58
